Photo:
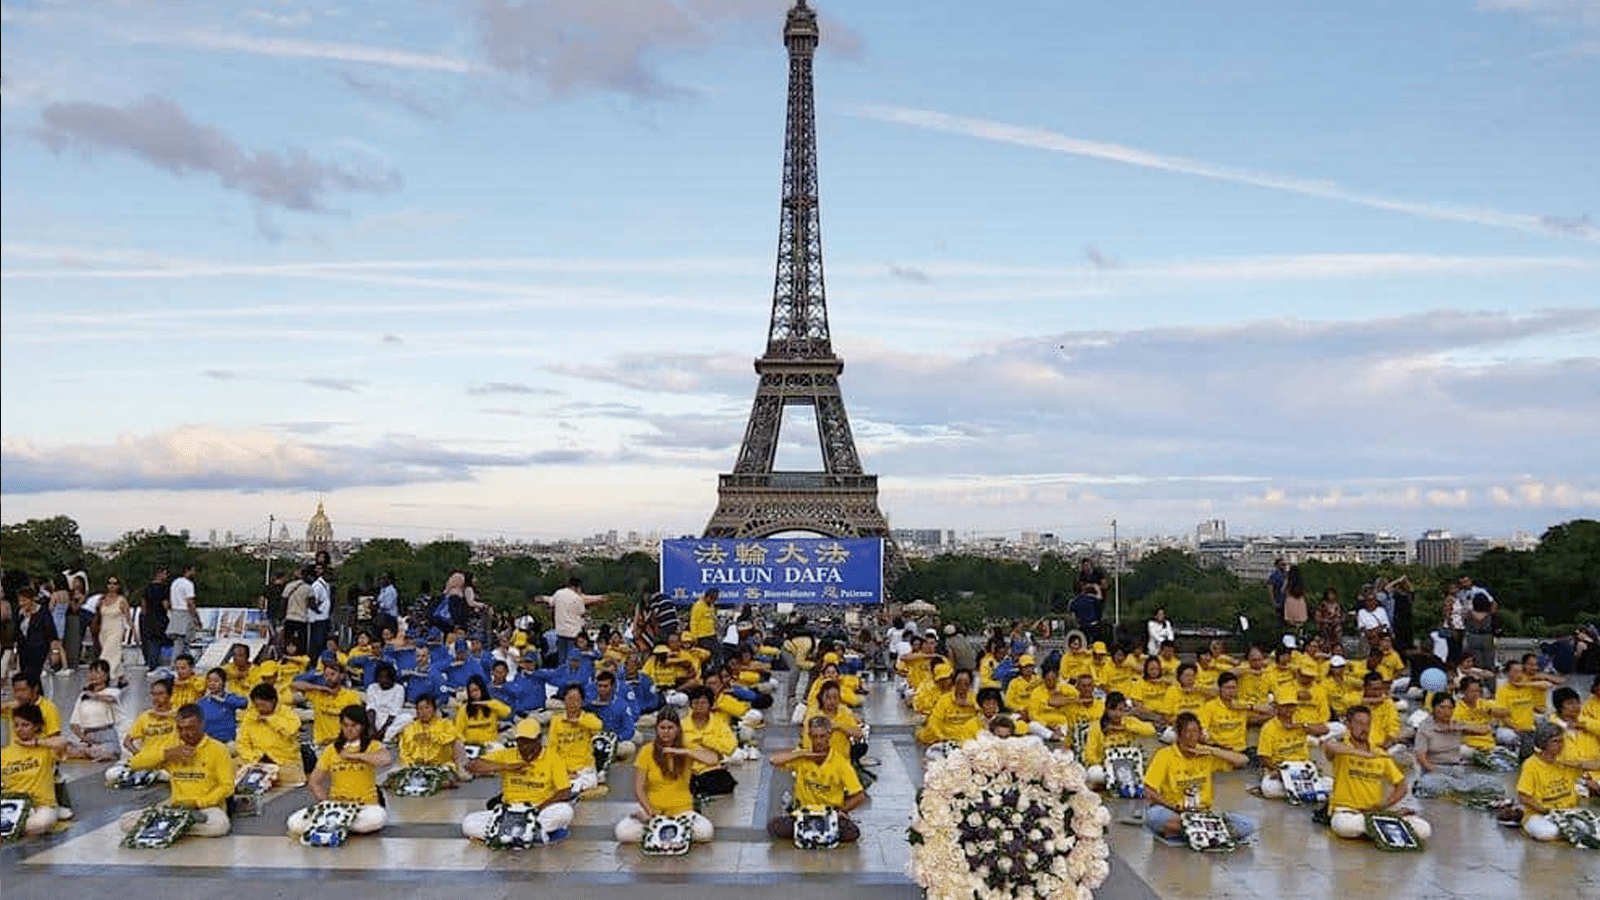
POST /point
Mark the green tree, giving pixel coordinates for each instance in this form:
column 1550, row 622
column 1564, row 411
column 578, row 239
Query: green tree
column 41, row 546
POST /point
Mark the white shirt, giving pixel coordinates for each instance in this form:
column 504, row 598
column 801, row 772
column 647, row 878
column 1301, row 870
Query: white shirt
column 385, row 703
column 91, row 604
column 94, row 713
column 567, row 605
column 181, row 594
column 1158, row 632
column 324, row 598
column 1368, row 619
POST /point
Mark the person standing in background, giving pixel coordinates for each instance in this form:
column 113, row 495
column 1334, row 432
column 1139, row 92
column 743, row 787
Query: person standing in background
column 182, row 609
column 153, row 618
column 1277, row 583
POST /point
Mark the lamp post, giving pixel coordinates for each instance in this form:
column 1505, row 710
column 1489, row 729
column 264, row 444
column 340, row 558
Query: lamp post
column 270, row 521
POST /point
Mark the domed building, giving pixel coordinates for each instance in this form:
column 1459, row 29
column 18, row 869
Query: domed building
column 319, row 532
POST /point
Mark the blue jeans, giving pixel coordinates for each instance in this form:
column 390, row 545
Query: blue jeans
column 1158, row 818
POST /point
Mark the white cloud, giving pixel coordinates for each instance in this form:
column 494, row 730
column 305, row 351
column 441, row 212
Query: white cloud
column 1044, row 139
column 291, row 48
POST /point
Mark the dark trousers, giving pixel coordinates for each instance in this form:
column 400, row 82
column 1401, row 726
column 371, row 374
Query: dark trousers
column 152, row 645
column 782, row 827
column 318, row 637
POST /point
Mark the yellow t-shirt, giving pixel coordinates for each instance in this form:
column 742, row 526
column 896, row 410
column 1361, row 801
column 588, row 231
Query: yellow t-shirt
column 1254, row 687
column 431, row 744
column 574, row 740
column 716, row 735
column 1020, row 692
column 838, row 740
column 1040, row 710
column 1361, row 783
column 350, row 781
column 1553, row 785
column 29, row 770
column 667, row 796
column 1132, row 729
column 1522, row 701
column 827, row 783
column 1184, row 781
column 326, row 707
column 1179, row 700
column 1080, row 711
column 151, row 725
column 202, row 782
column 702, row 621
column 1225, row 726
column 276, row 737
column 1482, row 714
column 952, row 720
column 1075, row 664
column 187, row 690
column 1579, row 746
column 1152, row 695
column 1313, row 700
column 532, row 782
column 483, row 728
column 1278, row 743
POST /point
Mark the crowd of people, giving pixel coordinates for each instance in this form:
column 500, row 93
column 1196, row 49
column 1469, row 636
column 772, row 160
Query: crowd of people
column 444, row 693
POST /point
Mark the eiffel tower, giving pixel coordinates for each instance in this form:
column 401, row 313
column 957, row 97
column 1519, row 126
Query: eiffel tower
column 800, row 367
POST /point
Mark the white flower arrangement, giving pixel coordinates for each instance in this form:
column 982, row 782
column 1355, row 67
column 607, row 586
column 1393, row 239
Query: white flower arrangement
column 1007, row 818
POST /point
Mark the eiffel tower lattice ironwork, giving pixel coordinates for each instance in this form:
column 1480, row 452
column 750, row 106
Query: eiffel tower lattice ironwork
column 799, row 367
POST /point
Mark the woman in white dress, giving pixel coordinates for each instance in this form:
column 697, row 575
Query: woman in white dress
column 111, row 626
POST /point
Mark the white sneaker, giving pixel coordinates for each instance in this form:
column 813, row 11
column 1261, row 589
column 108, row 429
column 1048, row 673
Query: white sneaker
column 63, row 813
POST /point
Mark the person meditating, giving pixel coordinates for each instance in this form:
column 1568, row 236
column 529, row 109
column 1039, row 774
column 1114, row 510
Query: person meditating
column 29, row 767
column 199, row 768
column 269, row 732
column 1546, row 783
column 661, row 775
column 347, row 772
column 1365, row 780
column 823, row 779
column 531, row 774
column 1179, row 780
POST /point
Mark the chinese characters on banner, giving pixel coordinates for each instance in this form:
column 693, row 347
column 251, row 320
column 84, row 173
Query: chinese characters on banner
column 779, row 570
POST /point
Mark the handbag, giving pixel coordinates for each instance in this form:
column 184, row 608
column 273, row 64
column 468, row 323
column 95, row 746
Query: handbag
column 667, row 835
column 816, row 828
column 712, row 783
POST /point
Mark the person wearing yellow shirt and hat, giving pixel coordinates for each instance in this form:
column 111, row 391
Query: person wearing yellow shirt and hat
column 1020, row 690
column 1365, row 780
column 347, row 772
column 1104, row 669
column 28, row 766
column 200, row 771
column 1286, row 738
column 530, row 773
column 1547, row 783
column 1179, row 780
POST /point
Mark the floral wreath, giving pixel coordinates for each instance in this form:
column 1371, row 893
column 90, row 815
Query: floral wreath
column 1007, row 818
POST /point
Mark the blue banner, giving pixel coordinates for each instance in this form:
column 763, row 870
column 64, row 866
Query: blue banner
column 780, row 570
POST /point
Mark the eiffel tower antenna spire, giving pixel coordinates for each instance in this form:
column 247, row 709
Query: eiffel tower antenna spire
column 799, row 367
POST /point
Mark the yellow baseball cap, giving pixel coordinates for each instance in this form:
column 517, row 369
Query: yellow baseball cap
column 1100, row 648
column 830, row 658
column 1025, row 659
column 528, row 729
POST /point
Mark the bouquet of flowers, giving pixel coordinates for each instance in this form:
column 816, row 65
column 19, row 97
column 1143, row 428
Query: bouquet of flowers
column 1007, row 818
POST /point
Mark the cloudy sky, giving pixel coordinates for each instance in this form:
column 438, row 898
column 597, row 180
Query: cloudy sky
column 500, row 268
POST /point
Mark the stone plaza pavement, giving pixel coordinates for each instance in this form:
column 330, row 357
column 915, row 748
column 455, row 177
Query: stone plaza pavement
column 423, row 855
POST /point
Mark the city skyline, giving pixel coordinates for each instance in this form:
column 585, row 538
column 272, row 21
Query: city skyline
column 501, row 268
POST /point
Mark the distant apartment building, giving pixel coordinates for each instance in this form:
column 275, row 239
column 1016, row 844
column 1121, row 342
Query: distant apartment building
column 1439, row 549
column 925, row 538
column 1210, row 531
column 1252, row 557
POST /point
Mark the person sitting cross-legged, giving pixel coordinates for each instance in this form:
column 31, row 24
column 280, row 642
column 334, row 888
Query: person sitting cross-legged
column 347, row 772
column 200, row 770
column 1178, row 780
column 1547, row 783
column 29, row 767
column 823, row 778
column 1365, row 780
column 531, row 773
column 661, row 775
